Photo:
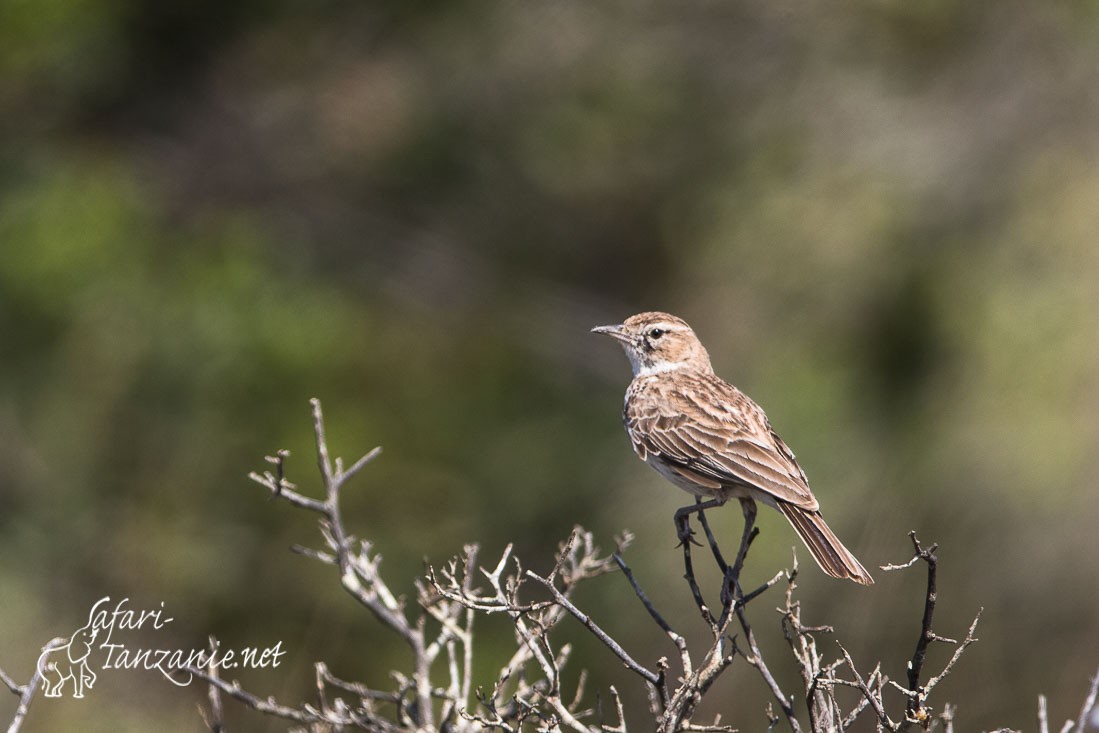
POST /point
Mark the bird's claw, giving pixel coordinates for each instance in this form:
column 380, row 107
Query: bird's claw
column 685, row 534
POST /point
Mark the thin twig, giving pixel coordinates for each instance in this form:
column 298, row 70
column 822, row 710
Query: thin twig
column 1089, row 704
column 969, row 639
column 947, row 717
column 631, row 664
column 11, row 684
column 266, row 706
column 756, row 660
column 872, row 697
column 677, row 639
column 862, row 704
column 215, row 719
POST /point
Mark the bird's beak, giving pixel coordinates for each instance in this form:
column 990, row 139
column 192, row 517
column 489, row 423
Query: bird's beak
column 617, row 332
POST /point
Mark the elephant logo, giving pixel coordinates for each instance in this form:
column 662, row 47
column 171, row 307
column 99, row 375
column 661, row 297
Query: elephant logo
column 69, row 662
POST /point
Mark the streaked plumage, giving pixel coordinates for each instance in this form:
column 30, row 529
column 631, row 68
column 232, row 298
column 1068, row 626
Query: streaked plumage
column 710, row 439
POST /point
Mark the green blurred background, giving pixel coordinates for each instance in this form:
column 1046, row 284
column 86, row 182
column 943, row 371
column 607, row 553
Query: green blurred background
column 883, row 221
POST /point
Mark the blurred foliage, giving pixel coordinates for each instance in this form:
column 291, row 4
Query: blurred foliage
column 881, row 220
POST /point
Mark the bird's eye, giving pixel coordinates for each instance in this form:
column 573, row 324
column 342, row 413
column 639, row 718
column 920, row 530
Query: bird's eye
column 656, row 333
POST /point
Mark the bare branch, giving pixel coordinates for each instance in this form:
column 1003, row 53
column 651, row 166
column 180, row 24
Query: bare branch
column 873, row 697
column 915, row 666
column 863, row 703
column 267, row 706
column 648, row 675
column 27, row 692
column 756, row 660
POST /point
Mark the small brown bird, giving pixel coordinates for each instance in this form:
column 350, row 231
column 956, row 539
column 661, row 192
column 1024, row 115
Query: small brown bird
column 710, row 439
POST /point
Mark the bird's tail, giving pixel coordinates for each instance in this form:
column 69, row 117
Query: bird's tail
column 833, row 558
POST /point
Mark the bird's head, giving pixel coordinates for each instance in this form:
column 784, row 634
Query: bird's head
column 659, row 342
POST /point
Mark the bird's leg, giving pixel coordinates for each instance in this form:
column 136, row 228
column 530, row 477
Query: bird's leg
column 748, row 506
column 683, row 518
column 712, row 541
column 683, row 529
column 732, row 575
column 726, row 571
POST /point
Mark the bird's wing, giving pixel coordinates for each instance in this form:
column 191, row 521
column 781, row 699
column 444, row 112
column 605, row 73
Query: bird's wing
column 712, row 429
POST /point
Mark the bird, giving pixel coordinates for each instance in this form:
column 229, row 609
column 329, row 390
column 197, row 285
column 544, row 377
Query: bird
column 712, row 440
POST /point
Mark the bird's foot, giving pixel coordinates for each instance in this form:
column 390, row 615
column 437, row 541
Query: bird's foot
column 684, row 532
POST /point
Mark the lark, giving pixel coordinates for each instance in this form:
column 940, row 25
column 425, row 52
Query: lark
column 710, row 439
